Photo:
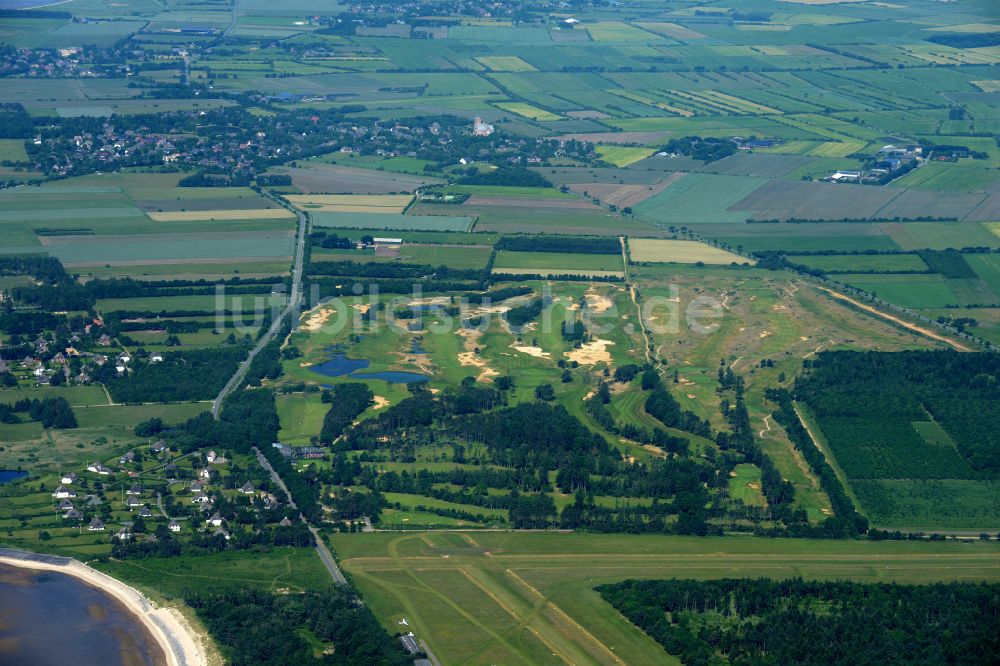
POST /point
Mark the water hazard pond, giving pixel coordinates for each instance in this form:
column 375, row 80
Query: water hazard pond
column 339, row 365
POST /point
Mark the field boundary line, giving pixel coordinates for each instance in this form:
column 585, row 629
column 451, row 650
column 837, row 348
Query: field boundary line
column 563, row 615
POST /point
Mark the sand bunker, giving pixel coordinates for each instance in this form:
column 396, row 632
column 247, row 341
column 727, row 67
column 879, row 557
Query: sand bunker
column 363, row 308
column 317, row 318
column 598, row 303
column 595, row 351
column 380, row 402
column 764, row 334
column 537, row 352
column 469, row 357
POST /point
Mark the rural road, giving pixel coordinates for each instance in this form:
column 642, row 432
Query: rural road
column 233, row 20
column 896, row 320
column 325, row 555
column 635, row 301
column 293, row 303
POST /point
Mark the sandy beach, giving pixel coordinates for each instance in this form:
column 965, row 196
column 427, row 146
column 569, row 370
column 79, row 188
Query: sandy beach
column 169, row 628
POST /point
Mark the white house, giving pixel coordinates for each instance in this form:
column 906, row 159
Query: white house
column 96, row 525
column 215, row 520
column 69, row 478
column 174, row 526
column 247, row 488
column 63, row 492
column 98, row 468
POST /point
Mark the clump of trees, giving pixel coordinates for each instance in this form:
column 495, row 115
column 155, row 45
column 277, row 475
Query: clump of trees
column 260, row 628
column 707, row 149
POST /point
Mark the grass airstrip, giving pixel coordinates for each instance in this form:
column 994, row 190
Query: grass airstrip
column 528, row 598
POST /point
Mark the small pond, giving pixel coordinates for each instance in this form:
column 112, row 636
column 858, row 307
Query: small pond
column 339, row 365
column 8, row 475
column 393, row 376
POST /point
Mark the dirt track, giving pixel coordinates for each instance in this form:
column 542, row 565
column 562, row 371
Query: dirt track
column 896, row 320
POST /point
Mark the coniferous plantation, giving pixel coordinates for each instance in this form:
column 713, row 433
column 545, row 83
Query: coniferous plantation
column 916, row 433
column 762, row 621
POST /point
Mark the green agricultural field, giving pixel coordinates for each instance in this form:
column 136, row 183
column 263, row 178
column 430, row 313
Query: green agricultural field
column 939, row 235
column 909, row 291
column 852, row 263
column 699, row 198
column 451, row 256
column 505, row 64
column 528, row 111
column 391, row 222
column 622, row 156
column 987, row 267
column 247, row 303
column 803, row 237
column 12, row 150
column 556, row 261
column 505, row 597
column 77, row 396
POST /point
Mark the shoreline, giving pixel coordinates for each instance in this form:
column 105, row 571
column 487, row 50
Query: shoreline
column 171, row 630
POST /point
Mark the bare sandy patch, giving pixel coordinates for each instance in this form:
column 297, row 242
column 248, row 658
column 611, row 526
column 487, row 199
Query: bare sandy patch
column 380, row 402
column 316, row 318
column 596, row 302
column 590, row 353
column 537, row 352
column 363, row 308
column 469, row 357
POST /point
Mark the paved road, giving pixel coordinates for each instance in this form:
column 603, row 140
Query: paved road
column 232, row 20
column 324, row 553
column 294, row 301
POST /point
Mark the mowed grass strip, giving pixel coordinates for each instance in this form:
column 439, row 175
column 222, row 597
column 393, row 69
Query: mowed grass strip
column 681, row 252
column 546, row 581
column 238, row 214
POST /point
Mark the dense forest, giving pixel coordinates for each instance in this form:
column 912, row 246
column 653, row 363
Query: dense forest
column 346, row 401
column 258, row 628
column 867, row 402
column 506, row 177
column 742, row 621
column 579, row 245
